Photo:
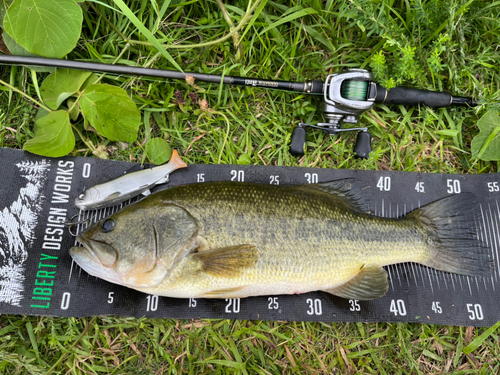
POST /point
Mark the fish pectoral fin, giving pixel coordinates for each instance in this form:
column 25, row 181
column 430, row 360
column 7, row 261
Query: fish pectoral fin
column 369, row 283
column 227, row 261
column 146, row 192
column 224, row 293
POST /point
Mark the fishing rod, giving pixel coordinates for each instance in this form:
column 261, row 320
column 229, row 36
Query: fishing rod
column 346, row 94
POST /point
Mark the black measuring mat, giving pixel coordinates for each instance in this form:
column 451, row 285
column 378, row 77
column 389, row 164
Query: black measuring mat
column 38, row 277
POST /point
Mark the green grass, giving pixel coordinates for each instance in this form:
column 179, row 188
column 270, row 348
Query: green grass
column 435, row 44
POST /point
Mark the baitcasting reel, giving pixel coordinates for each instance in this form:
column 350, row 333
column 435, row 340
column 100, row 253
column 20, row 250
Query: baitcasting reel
column 346, row 96
column 350, row 93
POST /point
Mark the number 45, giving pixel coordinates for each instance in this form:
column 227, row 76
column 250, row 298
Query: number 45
column 419, row 187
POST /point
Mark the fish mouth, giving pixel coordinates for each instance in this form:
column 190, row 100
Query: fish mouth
column 96, row 258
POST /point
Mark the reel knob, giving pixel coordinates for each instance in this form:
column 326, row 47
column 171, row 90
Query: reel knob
column 363, row 146
column 298, row 141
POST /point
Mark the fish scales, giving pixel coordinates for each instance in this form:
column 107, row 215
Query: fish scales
column 305, row 239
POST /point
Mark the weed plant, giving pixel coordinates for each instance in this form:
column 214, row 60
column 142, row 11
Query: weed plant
column 450, row 45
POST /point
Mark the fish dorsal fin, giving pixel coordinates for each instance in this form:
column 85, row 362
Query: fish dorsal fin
column 227, row 261
column 369, row 283
column 352, row 192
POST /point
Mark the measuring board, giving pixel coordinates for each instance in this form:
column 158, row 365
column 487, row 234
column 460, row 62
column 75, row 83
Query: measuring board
column 38, row 277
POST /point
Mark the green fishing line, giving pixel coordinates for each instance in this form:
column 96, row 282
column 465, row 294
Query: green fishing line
column 354, row 90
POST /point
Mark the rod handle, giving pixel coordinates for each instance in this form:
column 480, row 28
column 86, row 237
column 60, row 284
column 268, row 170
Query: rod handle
column 413, row 97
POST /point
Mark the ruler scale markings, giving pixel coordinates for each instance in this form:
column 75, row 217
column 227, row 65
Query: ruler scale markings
column 481, row 240
column 497, row 268
column 407, row 274
column 437, row 275
column 390, row 276
column 494, row 249
column 468, row 283
column 420, row 267
column 487, row 230
column 460, row 281
column 412, row 265
column 452, row 282
column 446, row 282
column 496, row 235
column 396, row 267
column 430, row 281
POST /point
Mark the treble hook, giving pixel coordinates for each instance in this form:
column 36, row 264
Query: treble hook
column 70, row 223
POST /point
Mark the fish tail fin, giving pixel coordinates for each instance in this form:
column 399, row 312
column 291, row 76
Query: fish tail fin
column 176, row 162
column 452, row 227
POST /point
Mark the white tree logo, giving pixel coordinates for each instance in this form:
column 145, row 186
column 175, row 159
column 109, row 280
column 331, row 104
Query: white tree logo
column 17, row 225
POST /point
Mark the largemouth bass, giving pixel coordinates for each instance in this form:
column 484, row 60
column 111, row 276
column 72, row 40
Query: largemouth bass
column 234, row 240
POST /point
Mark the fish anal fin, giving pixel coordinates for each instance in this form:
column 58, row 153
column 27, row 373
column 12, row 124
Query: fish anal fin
column 369, row 283
column 227, row 261
column 224, row 293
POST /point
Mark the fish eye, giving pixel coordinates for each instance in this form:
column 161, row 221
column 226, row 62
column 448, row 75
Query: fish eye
column 108, row 225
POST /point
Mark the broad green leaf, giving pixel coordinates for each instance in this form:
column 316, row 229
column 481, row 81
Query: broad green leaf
column 42, row 112
column 486, row 145
column 16, row 49
column 3, row 9
column 46, row 27
column 158, row 151
column 61, row 84
column 111, row 112
column 90, row 81
column 53, row 136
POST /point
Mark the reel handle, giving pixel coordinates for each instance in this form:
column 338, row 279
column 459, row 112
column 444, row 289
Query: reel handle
column 298, row 141
column 363, row 145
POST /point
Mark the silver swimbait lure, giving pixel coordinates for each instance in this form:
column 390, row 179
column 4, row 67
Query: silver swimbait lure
column 125, row 187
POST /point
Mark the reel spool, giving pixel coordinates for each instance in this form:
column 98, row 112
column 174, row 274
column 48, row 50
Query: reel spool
column 346, row 96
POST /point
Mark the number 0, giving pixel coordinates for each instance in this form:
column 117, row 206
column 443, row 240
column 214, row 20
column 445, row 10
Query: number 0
column 65, row 300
